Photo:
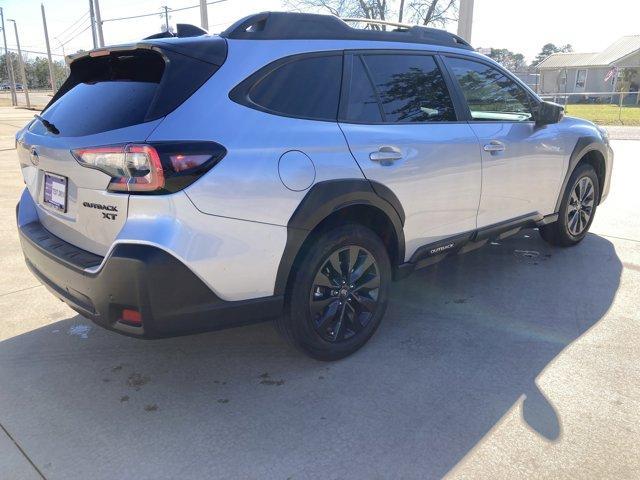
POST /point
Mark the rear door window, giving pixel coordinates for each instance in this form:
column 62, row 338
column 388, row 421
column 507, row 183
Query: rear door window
column 411, row 88
column 363, row 105
column 307, row 87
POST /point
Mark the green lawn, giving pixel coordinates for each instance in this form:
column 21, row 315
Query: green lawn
column 605, row 114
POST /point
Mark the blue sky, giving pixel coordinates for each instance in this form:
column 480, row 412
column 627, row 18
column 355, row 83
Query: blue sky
column 520, row 25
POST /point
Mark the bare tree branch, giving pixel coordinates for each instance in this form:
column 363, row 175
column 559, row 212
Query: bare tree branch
column 373, row 9
column 433, row 12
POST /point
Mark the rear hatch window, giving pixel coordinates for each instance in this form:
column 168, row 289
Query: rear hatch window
column 117, row 88
column 107, row 93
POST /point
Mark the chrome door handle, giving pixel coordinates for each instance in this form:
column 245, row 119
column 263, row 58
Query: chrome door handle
column 494, row 146
column 386, row 155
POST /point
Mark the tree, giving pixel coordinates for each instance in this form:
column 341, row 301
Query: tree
column 36, row 69
column 549, row 49
column 373, row 9
column 424, row 12
column 508, row 59
column 415, row 93
column 435, row 13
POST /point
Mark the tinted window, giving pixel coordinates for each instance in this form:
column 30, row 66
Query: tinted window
column 363, row 105
column 306, row 88
column 411, row 88
column 90, row 108
column 105, row 93
column 490, row 94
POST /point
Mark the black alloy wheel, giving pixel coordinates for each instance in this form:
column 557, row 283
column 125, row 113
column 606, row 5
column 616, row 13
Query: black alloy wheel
column 344, row 293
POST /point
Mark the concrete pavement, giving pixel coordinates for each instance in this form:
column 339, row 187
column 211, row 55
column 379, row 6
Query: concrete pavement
column 38, row 98
column 516, row 361
column 618, row 132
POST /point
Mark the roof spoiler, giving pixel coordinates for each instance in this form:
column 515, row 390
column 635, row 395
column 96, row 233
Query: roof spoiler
column 209, row 49
column 182, row 30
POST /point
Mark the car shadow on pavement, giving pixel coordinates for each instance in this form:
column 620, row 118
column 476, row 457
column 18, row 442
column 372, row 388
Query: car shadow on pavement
column 461, row 343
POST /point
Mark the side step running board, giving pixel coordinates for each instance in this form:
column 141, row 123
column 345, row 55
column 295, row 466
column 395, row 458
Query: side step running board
column 431, row 254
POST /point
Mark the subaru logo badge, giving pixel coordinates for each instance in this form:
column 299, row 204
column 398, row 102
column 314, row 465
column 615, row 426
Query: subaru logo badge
column 34, row 157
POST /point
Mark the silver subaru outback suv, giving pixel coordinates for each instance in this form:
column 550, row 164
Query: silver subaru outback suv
column 289, row 168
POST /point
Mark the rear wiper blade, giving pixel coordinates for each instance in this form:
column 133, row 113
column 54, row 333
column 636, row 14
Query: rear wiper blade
column 48, row 125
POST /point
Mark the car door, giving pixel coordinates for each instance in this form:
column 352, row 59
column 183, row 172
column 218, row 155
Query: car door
column 522, row 163
column 401, row 126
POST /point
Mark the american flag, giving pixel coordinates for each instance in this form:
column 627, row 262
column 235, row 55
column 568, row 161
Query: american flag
column 611, row 73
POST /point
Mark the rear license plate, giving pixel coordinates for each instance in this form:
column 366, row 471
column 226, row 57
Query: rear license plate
column 55, row 191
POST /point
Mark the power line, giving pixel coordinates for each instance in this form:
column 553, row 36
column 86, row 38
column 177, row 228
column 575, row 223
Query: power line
column 129, row 18
column 74, row 28
column 160, row 13
column 62, row 44
column 197, row 6
column 33, row 51
column 79, row 20
column 73, row 33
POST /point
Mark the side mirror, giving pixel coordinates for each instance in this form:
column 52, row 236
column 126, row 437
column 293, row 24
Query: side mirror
column 548, row 113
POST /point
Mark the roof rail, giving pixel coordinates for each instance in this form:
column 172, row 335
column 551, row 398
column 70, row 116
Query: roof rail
column 375, row 21
column 310, row 26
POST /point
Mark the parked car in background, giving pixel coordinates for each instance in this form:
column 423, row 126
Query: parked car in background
column 7, row 86
column 293, row 173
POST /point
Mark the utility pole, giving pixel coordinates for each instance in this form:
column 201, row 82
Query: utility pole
column 92, row 17
column 46, row 39
column 465, row 19
column 64, row 55
column 166, row 18
column 204, row 15
column 401, row 11
column 12, row 83
column 25, row 89
column 99, row 24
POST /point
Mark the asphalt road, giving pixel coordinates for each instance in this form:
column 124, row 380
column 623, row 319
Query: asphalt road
column 516, row 361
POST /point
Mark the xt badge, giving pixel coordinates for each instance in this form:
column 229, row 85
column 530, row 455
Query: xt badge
column 109, row 216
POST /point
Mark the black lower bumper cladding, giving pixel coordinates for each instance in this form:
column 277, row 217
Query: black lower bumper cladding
column 170, row 298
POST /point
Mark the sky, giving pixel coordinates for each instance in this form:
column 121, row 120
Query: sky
column 520, row 25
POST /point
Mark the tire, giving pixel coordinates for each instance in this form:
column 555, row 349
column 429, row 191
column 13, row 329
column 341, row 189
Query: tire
column 573, row 223
column 324, row 317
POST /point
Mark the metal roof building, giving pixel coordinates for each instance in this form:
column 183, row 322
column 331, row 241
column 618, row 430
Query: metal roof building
column 616, row 66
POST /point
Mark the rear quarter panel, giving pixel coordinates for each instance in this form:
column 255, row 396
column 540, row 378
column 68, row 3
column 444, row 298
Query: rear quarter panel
column 246, row 183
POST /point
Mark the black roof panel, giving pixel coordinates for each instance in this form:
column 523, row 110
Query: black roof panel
column 308, row 26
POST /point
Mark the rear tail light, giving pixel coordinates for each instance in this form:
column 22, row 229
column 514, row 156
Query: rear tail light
column 151, row 168
column 133, row 168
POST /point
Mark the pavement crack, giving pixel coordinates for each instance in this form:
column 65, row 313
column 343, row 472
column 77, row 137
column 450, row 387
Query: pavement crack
column 23, row 452
column 20, row 290
column 619, row 238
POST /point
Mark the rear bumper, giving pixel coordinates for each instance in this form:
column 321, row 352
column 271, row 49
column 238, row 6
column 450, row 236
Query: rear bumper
column 171, row 299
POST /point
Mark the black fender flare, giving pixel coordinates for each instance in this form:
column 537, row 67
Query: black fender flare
column 328, row 197
column 583, row 146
